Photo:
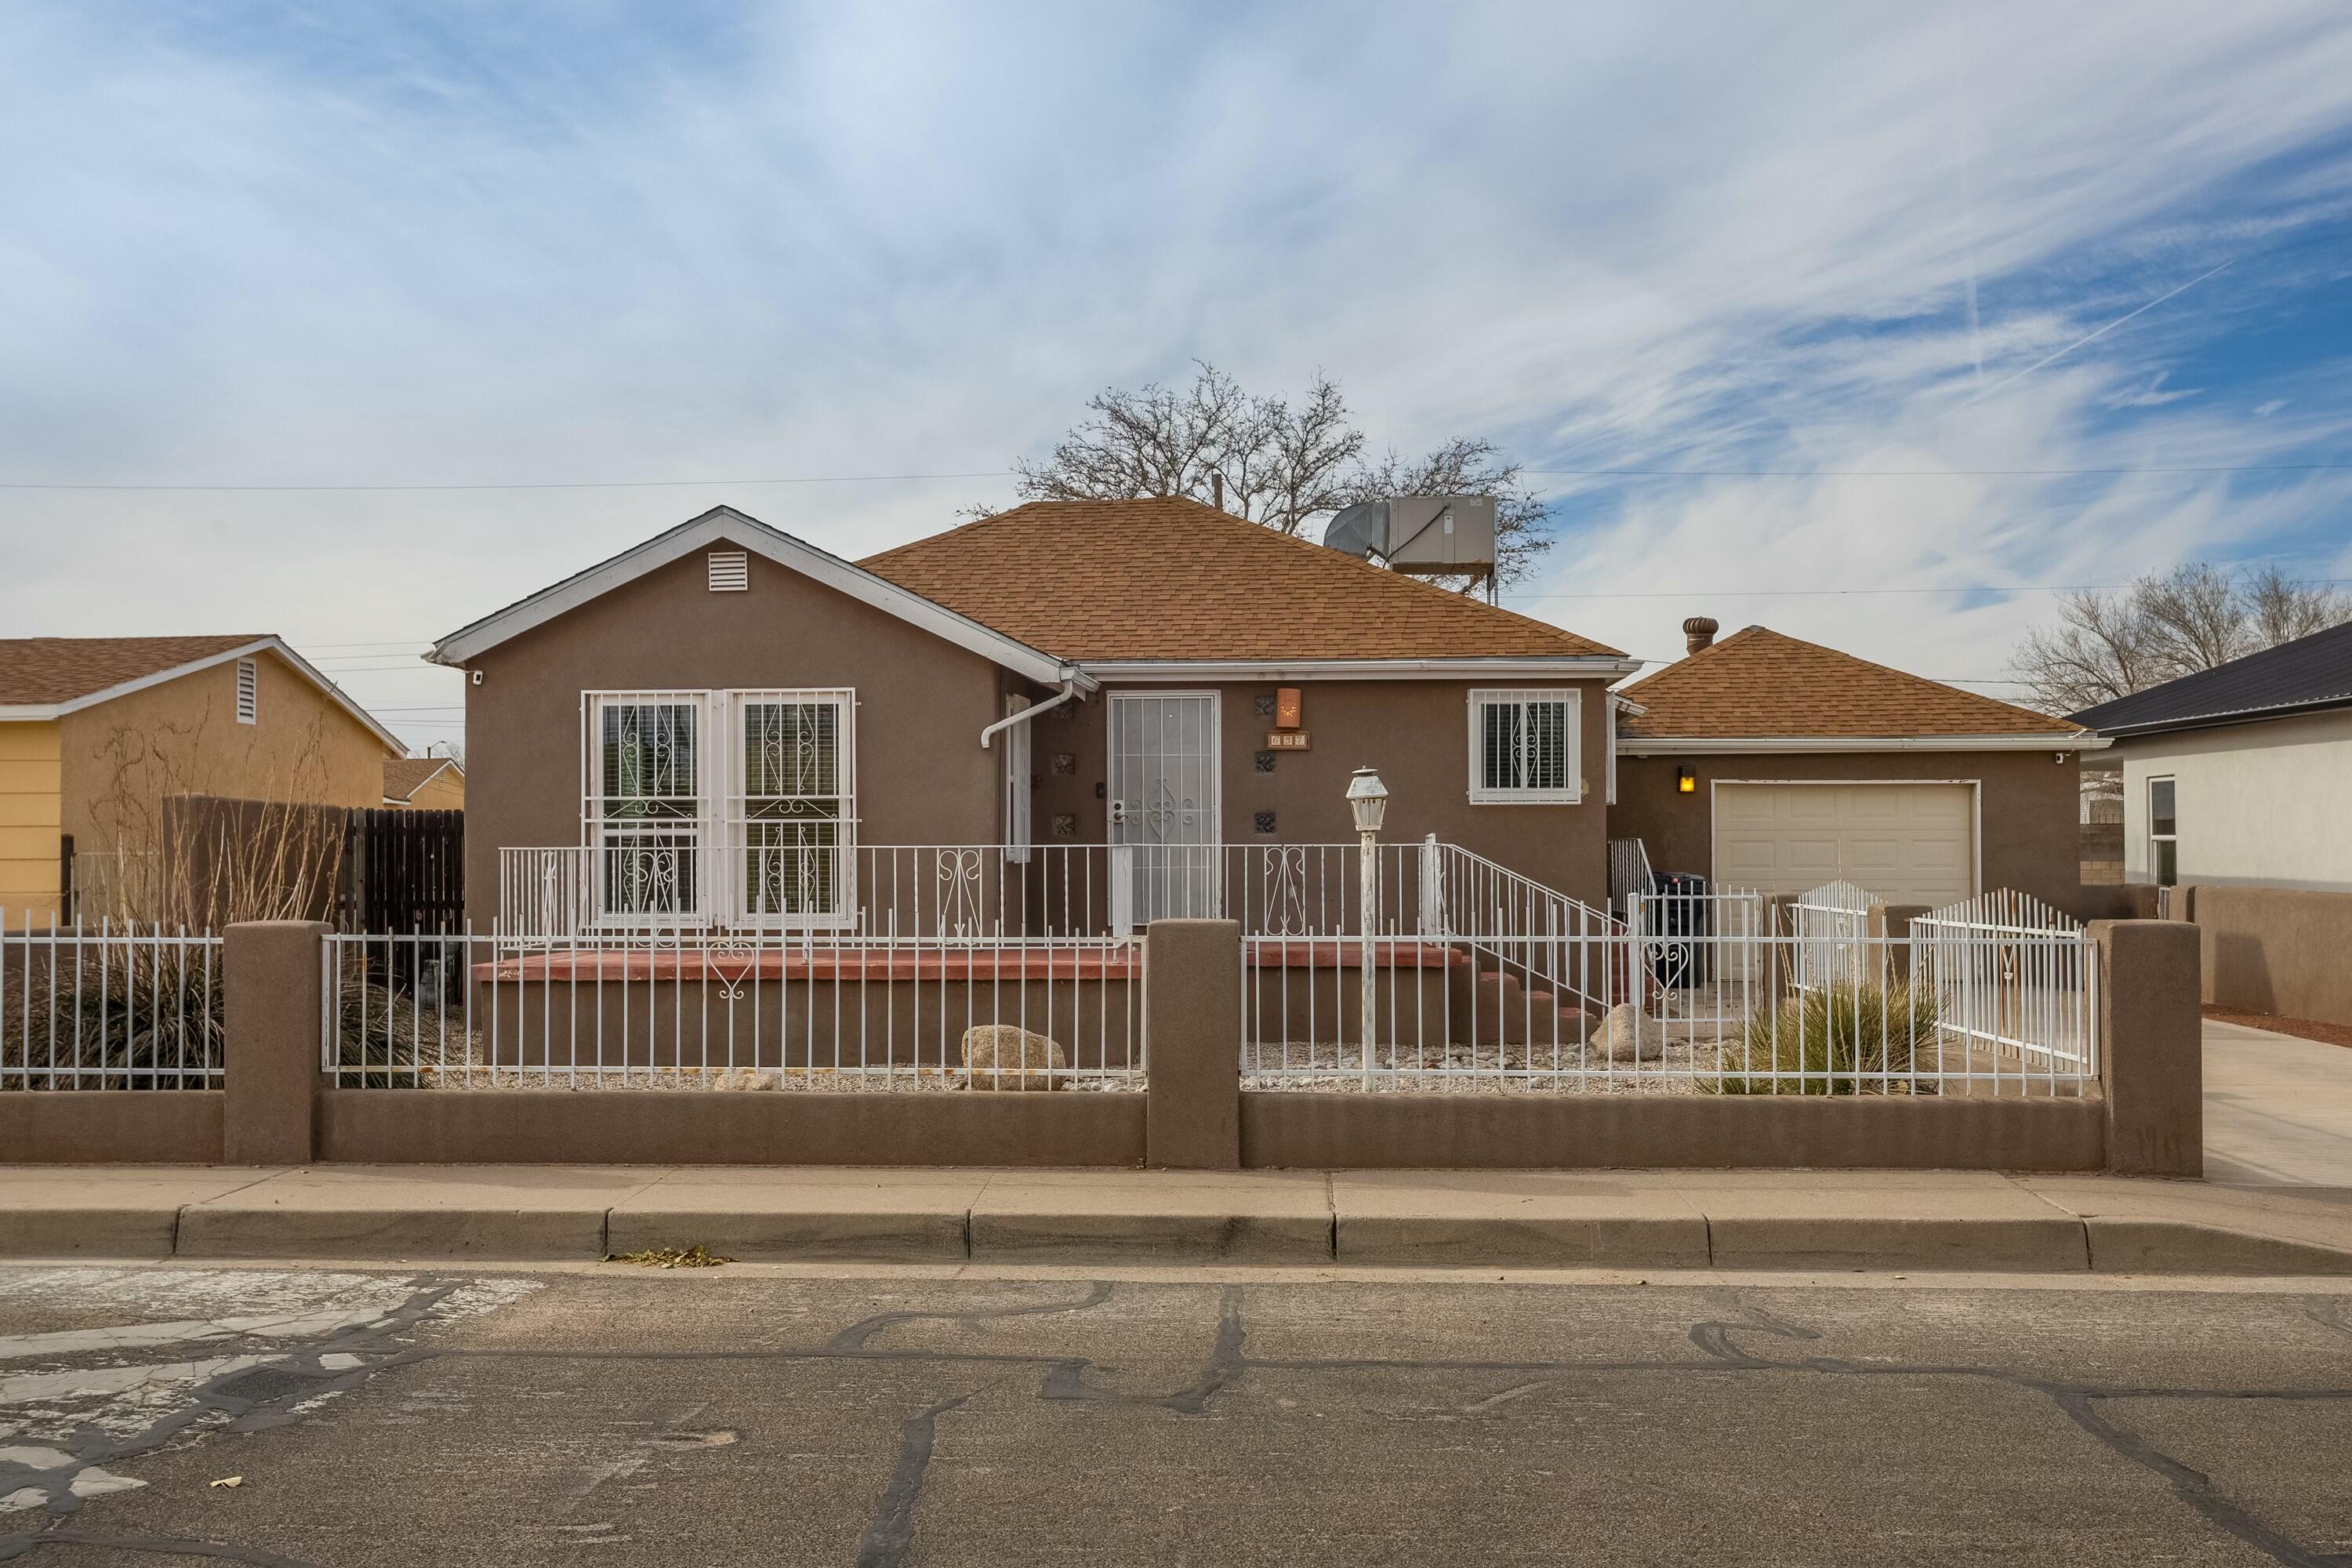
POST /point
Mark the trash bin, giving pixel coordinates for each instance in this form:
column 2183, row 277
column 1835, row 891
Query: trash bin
column 1677, row 929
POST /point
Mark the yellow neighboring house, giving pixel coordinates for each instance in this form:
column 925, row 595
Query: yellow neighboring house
column 424, row 783
column 97, row 732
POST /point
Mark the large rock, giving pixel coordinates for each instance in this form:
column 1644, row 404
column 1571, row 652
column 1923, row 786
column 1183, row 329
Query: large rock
column 1627, row 1037
column 1005, row 1055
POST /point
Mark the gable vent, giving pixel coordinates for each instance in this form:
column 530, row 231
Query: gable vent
column 730, row 572
column 248, row 691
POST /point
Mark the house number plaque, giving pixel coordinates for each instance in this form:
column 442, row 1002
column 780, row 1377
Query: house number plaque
column 1285, row 741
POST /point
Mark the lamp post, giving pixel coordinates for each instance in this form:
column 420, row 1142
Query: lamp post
column 1368, row 799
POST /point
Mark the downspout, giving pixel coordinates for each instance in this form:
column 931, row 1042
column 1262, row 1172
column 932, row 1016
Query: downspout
column 1069, row 689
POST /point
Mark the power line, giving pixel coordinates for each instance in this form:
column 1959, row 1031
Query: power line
column 1816, row 593
column 1937, row 473
column 534, row 485
column 1008, row 473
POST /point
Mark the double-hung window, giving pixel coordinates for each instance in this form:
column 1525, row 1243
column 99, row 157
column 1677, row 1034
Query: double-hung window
column 2163, row 834
column 720, row 808
column 1524, row 747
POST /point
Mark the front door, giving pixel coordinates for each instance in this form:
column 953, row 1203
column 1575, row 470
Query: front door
column 1163, row 802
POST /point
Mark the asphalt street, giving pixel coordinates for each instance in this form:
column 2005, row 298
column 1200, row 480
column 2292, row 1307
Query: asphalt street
column 755, row 1416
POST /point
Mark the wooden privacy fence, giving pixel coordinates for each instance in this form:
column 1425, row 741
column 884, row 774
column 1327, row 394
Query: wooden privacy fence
column 222, row 860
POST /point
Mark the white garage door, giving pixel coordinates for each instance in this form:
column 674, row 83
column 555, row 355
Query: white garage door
column 1907, row 843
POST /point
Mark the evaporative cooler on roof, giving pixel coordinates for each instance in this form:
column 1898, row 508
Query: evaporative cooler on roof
column 1432, row 536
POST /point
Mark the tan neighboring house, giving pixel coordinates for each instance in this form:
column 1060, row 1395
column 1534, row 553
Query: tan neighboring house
column 97, row 732
column 1764, row 762
column 424, row 783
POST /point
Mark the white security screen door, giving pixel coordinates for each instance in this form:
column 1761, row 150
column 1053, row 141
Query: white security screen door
column 1164, row 800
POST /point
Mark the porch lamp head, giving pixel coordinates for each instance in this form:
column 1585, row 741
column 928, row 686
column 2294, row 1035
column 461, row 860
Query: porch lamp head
column 1368, row 799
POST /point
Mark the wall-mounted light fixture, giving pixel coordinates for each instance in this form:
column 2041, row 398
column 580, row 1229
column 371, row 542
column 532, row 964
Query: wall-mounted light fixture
column 1685, row 781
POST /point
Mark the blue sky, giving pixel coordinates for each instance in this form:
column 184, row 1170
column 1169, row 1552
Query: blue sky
column 1824, row 274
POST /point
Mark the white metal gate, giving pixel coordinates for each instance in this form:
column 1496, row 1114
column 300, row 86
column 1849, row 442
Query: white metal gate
column 1163, row 802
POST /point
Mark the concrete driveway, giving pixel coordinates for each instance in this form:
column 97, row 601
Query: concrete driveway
column 2278, row 1109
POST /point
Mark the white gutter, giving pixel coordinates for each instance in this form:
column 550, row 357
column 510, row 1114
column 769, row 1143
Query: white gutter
column 1559, row 666
column 1714, row 745
column 1069, row 689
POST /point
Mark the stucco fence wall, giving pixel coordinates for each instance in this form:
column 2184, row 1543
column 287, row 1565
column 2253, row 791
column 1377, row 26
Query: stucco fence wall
column 2286, row 950
column 277, row 1108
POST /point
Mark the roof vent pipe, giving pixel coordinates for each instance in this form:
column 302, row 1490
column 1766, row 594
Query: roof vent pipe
column 1698, row 632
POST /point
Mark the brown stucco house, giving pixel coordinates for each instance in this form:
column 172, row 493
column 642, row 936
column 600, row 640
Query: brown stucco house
column 720, row 726
column 97, row 733
column 1769, row 764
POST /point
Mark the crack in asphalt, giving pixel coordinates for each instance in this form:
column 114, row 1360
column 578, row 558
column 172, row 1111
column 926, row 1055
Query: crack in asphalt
column 167, row 1546
column 890, row 1537
column 294, row 1376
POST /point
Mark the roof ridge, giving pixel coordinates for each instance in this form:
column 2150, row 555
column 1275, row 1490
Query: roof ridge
column 1392, row 580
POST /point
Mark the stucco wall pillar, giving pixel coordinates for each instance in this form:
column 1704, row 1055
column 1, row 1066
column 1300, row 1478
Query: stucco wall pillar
column 1194, row 1014
column 273, row 995
column 2152, row 1038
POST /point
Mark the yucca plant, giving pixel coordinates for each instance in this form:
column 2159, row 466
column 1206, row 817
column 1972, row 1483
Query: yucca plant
column 1835, row 1040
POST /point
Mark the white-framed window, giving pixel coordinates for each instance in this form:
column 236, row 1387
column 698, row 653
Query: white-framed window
column 721, row 807
column 1526, row 747
column 2163, row 833
column 792, row 817
column 248, row 692
column 1018, row 827
column 646, row 822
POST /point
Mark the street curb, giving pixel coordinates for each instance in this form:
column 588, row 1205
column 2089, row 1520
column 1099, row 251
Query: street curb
column 91, row 1232
column 1430, row 1241
column 851, row 1236
column 2185, row 1246
column 533, row 1234
column 2057, row 1245
column 2054, row 1245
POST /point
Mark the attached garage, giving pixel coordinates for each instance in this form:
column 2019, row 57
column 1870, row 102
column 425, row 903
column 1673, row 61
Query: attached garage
column 1907, row 843
column 1769, row 763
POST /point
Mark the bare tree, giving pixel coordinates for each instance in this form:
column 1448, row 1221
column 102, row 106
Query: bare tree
column 1268, row 459
column 2110, row 644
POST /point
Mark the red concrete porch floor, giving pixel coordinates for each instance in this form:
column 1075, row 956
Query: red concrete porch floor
column 984, row 965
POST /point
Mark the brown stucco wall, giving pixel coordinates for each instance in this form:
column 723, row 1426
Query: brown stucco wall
column 112, row 1126
column 2028, row 808
column 922, row 704
column 1416, row 733
column 667, row 1126
column 122, row 759
column 1501, row 1131
column 2286, row 950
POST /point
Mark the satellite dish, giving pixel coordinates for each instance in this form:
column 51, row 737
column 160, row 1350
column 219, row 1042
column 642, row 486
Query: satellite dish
column 1360, row 529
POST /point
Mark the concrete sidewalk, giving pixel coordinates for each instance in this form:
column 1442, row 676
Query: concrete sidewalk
column 2278, row 1109
column 1655, row 1219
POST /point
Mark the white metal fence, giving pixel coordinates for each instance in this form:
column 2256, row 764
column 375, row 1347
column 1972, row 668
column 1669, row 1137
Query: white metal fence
column 1696, row 994
column 109, row 1006
column 815, row 1010
column 2015, row 978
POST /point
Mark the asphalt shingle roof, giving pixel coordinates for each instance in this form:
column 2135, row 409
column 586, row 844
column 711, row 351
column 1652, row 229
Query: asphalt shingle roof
column 39, row 670
column 2307, row 672
column 1759, row 683
column 403, row 776
column 1172, row 579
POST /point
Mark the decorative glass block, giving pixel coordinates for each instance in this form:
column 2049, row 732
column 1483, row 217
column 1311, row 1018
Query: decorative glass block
column 1265, row 762
column 1266, row 822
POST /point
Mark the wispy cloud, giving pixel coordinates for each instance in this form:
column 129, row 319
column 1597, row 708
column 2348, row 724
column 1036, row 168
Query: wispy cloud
column 252, row 243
